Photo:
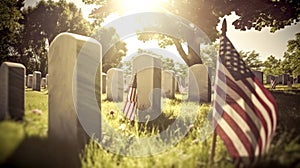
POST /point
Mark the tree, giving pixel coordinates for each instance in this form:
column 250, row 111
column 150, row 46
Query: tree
column 272, row 66
column 252, row 60
column 113, row 48
column 41, row 24
column 10, row 18
column 291, row 62
column 206, row 13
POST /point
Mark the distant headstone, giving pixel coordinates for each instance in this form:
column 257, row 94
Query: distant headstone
column 43, row 83
column 74, row 110
column 26, row 78
column 148, row 70
column 114, row 85
column 168, row 84
column 103, row 82
column 285, row 79
column 199, row 84
column 29, row 81
column 258, row 75
column 12, row 89
column 298, row 79
column 177, row 90
column 36, row 82
column 127, row 82
column 290, row 81
column 269, row 78
column 279, row 79
column 47, row 79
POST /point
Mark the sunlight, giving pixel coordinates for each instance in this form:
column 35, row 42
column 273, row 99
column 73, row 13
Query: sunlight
column 142, row 5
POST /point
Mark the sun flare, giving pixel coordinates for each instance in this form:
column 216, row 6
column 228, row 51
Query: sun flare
column 142, row 5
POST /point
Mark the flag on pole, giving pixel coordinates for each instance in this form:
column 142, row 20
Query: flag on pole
column 245, row 113
column 130, row 107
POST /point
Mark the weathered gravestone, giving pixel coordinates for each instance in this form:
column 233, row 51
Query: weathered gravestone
column 148, row 72
column 298, row 79
column 74, row 110
column 269, row 78
column 29, row 81
column 12, row 91
column 168, row 84
column 26, row 78
column 285, row 79
column 279, row 79
column 36, row 82
column 47, row 75
column 259, row 75
column 44, row 83
column 199, row 84
column 114, row 85
column 103, row 81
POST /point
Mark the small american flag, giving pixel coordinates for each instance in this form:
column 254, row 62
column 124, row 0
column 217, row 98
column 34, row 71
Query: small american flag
column 130, row 107
column 245, row 113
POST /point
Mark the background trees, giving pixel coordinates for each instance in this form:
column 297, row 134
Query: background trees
column 206, row 13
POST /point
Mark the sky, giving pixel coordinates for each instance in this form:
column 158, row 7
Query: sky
column 263, row 42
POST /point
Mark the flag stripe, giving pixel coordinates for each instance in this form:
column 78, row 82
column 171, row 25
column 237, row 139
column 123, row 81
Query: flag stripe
column 130, row 106
column 236, row 128
column 244, row 111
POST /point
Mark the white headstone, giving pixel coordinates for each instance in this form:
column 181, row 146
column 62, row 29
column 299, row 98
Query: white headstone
column 199, row 84
column 168, row 84
column 148, row 70
column 74, row 110
column 29, row 81
column 43, row 83
column 114, row 85
column 258, row 75
column 36, row 82
column 12, row 91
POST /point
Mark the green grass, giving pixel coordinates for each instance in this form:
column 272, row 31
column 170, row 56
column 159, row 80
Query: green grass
column 25, row 143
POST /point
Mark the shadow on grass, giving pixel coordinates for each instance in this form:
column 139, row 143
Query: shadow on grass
column 41, row 152
column 288, row 103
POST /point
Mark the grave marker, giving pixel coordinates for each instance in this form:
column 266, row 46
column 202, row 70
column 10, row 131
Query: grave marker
column 114, row 85
column 12, row 89
column 168, row 84
column 74, row 110
column 29, row 81
column 148, row 70
column 36, row 82
column 103, row 81
column 199, row 84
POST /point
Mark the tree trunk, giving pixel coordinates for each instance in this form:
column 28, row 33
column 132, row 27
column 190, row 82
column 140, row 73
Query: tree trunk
column 193, row 56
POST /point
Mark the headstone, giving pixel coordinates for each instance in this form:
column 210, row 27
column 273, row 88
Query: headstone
column 103, row 81
column 29, row 81
column 148, row 71
column 269, row 78
column 47, row 79
column 199, row 84
column 26, row 78
column 114, row 85
column 12, row 89
column 74, row 110
column 177, row 90
column 285, row 79
column 279, row 79
column 298, row 79
column 127, row 82
column 258, row 75
column 290, row 81
column 36, row 82
column 168, row 84
column 43, row 83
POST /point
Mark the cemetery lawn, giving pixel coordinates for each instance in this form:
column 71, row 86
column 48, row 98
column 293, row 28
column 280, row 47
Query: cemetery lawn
column 25, row 143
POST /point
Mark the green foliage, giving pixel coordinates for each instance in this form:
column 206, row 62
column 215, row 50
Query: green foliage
column 272, row 66
column 41, row 24
column 113, row 49
column 10, row 18
column 291, row 61
column 251, row 59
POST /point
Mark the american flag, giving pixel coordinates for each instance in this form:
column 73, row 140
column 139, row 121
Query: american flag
column 131, row 101
column 245, row 113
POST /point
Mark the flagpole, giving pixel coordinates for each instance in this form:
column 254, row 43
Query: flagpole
column 213, row 146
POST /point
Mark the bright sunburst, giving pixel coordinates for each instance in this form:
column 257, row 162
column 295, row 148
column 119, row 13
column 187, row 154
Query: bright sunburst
column 142, row 5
